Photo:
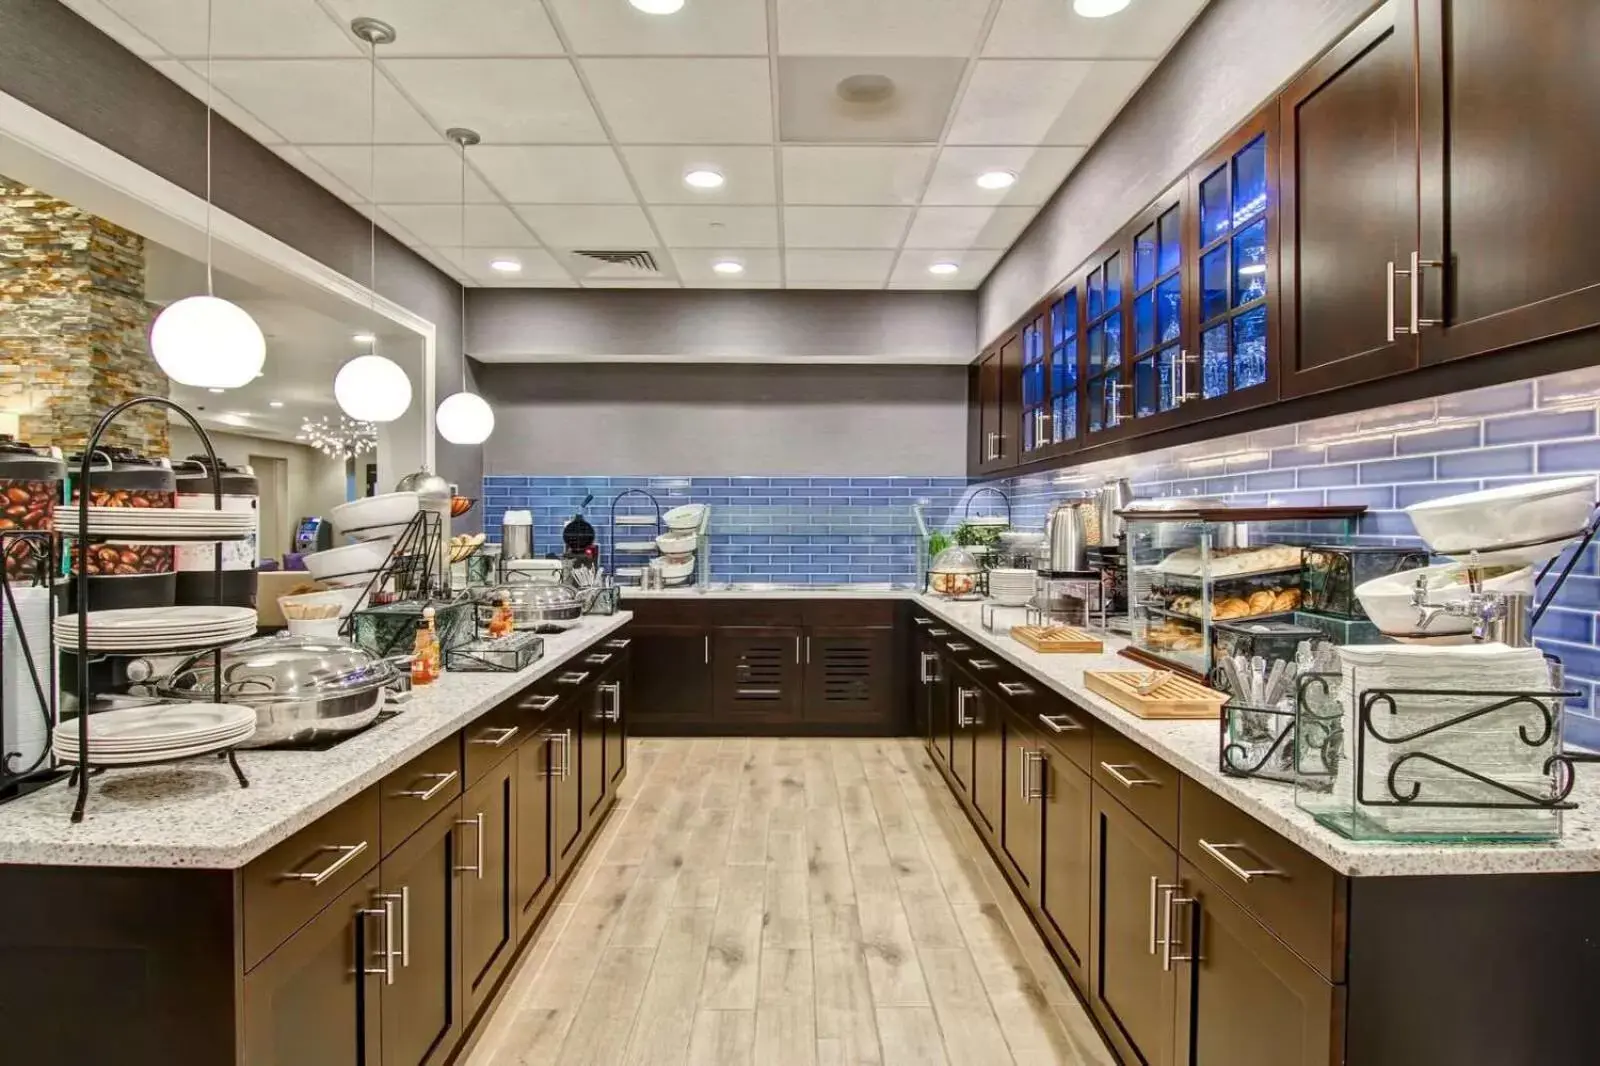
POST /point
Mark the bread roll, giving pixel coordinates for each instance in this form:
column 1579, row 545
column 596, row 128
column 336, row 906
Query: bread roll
column 1286, row 600
column 1261, row 602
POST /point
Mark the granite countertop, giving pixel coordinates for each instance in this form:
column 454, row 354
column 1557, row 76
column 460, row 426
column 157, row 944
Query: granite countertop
column 735, row 591
column 194, row 814
column 1192, row 747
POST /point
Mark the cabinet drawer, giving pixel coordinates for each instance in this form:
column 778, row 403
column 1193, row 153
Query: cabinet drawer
column 285, row 888
column 1144, row 784
column 490, row 739
column 1293, row 894
column 878, row 613
column 1067, row 729
column 417, row 791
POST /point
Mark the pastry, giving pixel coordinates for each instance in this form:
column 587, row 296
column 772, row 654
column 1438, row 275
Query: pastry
column 1261, row 602
column 1286, row 600
column 1232, row 607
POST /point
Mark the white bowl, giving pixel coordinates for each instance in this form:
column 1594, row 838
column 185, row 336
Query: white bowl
column 351, row 565
column 675, row 568
column 314, row 627
column 1388, row 599
column 689, row 516
column 345, row 598
column 375, row 517
column 678, row 543
column 1539, row 511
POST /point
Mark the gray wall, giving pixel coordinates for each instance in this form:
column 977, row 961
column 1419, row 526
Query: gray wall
column 718, row 421
column 508, row 325
column 61, row 65
column 1232, row 60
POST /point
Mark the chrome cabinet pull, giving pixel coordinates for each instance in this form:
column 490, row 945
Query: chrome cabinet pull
column 1115, row 770
column 620, row 643
column 614, row 712
column 1015, row 688
column 797, row 651
column 573, row 677
column 1022, row 770
column 922, row 621
column 440, row 783
column 540, row 704
column 402, row 897
column 808, row 650
column 962, row 696
column 957, row 645
column 476, row 822
column 929, row 660
column 1061, row 723
column 555, row 765
column 1114, row 391
column 983, row 664
column 385, row 951
column 347, row 855
column 1184, row 395
column 1169, row 943
column 938, row 632
column 1417, row 321
column 1155, row 892
column 1026, row 760
column 599, row 658
column 504, row 733
column 708, row 649
column 566, row 754
column 1220, row 853
column 1036, row 785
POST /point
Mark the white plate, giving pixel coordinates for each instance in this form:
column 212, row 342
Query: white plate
column 161, row 720
column 155, row 744
column 123, row 758
column 145, row 619
column 158, row 642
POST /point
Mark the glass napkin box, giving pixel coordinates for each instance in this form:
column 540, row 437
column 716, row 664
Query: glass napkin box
column 1332, row 572
column 391, row 629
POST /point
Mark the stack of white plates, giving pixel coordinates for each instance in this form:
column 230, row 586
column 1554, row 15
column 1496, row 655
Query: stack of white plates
column 138, row 629
column 1011, row 588
column 151, row 734
column 155, row 523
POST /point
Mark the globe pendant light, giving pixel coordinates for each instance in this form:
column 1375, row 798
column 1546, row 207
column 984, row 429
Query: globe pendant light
column 371, row 388
column 205, row 341
column 464, row 418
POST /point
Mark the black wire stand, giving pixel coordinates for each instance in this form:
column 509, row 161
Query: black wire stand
column 407, row 573
column 39, row 551
column 642, row 522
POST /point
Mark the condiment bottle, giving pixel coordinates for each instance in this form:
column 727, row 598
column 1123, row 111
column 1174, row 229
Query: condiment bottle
column 419, row 656
column 435, row 655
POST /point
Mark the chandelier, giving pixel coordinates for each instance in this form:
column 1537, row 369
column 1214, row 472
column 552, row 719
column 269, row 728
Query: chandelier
column 344, row 439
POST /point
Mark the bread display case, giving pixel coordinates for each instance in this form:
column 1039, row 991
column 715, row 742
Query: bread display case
column 1191, row 565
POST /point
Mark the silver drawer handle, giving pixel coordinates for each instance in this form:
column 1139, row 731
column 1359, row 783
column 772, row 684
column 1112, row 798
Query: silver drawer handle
column 923, row 621
column 386, row 952
column 440, row 783
column 540, row 704
column 614, row 712
column 983, row 664
column 959, row 646
column 599, row 658
column 573, row 677
column 505, row 734
column 1115, row 770
column 402, row 897
column 620, row 643
column 348, row 853
column 1220, row 853
column 1061, row 723
column 938, row 632
column 476, row 822
column 1015, row 688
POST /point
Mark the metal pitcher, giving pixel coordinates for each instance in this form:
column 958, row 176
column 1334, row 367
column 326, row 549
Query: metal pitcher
column 1064, row 533
column 1113, row 497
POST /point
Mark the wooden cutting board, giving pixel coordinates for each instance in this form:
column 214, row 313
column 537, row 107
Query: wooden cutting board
column 1176, row 697
column 1058, row 639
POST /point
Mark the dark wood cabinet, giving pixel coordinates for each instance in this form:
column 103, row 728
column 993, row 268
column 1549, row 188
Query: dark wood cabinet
column 489, row 867
column 316, row 1000
column 595, row 704
column 987, row 728
column 423, row 1009
column 933, row 698
column 1022, row 803
column 996, row 387
column 849, row 674
column 671, row 668
column 1104, row 369
column 965, row 719
column 1160, row 328
column 1244, row 999
column 1067, row 865
column 616, row 691
column 566, row 791
column 1349, row 208
column 757, row 676
column 537, row 761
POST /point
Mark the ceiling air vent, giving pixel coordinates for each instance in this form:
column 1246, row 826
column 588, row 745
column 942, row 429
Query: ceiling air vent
column 609, row 262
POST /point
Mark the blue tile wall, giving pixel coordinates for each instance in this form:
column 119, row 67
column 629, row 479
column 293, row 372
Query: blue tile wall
column 1389, row 459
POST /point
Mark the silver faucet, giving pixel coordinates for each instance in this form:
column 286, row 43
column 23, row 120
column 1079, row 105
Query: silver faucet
column 1488, row 610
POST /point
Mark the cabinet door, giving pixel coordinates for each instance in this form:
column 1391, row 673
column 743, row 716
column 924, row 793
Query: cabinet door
column 566, row 794
column 988, row 761
column 849, row 676
column 488, row 862
column 1160, row 338
column 1022, row 822
column 1131, row 991
column 757, row 674
column 1349, row 210
column 1514, row 83
column 595, row 703
column 423, row 1010
column 1048, row 389
column 1107, row 405
column 671, row 671
column 990, row 385
column 535, row 852
column 617, row 692
column 932, row 699
column 1067, row 871
column 965, row 719
column 1244, row 999
column 313, row 1001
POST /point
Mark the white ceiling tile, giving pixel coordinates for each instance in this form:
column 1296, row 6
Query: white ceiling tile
column 586, row 226
column 315, row 171
column 407, row 174
column 321, row 101
column 1039, row 171
column 880, row 27
column 911, row 269
column 762, row 267
column 828, row 174
column 224, row 105
column 812, row 111
column 659, row 171
column 488, row 225
column 1050, row 29
column 703, row 28
column 508, row 101
column 239, row 27
column 548, row 174
column 844, row 227
column 115, row 27
column 539, row 267
column 967, row 227
column 835, row 267
column 683, row 101
column 1044, row 101
column 717, row 226
column 460, row 27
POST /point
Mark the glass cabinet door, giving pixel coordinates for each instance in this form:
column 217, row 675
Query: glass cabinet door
column 1050, row 378
column 1157, row 350
column 1035, row 390
column 1107, row 405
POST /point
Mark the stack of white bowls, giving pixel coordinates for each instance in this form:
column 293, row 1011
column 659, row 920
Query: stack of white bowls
column 1010, row 587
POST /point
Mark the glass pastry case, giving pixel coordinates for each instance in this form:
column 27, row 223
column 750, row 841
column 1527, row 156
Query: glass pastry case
column 1192, row 564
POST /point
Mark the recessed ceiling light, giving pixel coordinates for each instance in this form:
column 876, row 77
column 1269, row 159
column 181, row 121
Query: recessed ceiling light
column 274, row 403
column 943, row 268
column 703, row 179
column 1098, row 9
column 364, row 338
column 505, row 266
column 996, row 179
column 216, row 390
column 658, row 7
column 728, row 266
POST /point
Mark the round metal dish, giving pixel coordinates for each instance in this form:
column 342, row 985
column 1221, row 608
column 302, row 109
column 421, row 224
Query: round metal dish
column 534, row 606
column 303, row 689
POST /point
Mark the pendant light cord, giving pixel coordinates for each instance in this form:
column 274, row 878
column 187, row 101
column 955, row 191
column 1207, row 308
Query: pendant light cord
column 462, row 144
column 210, row 284
column 372, row 174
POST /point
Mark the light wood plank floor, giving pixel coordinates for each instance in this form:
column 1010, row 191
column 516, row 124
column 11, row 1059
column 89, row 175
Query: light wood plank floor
column 776, row 901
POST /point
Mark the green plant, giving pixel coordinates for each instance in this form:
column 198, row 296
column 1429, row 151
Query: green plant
column 937, row 542
column 969, row 535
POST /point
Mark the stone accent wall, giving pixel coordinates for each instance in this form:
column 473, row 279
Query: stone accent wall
column 73, row 324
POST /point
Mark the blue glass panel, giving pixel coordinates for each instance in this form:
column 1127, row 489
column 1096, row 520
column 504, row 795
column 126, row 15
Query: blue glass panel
column 1113, row 281
column 1250, row 348
column 1169, row 309
column 1033, row 385
column 1214, row 219
column 1097, row 405
column 1250, row 180
column 1028, row 423
column 1064, row 368
column 1168, row 224
column 1250, row 264
column 1064, row 426
column 1069, row 316
column 1168, row 369
column 1097, row 347
column 1144, row 322
column 1214, row 361
column 1144, row 258
column 1213, row 283
column 1144, row 387
column 1113, row 326
column 1097, row 293
column 1057, row 323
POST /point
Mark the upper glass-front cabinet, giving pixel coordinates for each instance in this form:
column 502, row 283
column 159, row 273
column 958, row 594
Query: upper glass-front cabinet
column 1050, row 378
column 1157, row 349
column 1105, row 381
